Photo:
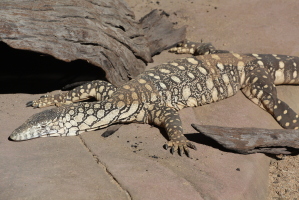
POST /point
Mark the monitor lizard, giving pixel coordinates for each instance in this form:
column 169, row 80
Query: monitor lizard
column 156, row 96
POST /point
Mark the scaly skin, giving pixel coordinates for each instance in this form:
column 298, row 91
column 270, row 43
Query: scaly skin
column 156, row 96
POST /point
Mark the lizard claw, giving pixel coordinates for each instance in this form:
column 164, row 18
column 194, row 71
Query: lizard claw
column 29, row 104
column 180, row 147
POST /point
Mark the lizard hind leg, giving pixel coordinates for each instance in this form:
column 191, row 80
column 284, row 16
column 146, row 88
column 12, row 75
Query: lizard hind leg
column 100, row 90
column 260, row 89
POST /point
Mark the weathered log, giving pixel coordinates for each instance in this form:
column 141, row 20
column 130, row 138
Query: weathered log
column 102, row 32
column 159, row 32
column 253, row 140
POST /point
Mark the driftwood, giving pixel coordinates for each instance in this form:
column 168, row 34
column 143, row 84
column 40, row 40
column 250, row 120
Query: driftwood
column 102, row 32
column 253, row 140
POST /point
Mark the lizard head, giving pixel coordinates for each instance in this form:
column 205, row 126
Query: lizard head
column 38, row 125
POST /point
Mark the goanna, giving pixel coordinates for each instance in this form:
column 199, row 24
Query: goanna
column 156, row 96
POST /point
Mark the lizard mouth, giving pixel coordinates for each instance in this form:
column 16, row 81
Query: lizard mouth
column 33, row 132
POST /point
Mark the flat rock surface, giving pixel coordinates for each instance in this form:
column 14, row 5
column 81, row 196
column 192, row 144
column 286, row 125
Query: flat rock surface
column 131, row 164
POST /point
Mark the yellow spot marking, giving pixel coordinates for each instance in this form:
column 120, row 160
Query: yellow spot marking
column 256, row 55
column 68, row 125
column 296, row 128
column 100, row 113
column 203, row 70
column 281, row 64
column 176, row 79
column 237, row 56
column 162, row 85
column 101, row 89
column 255, row 79
column 121, row 96
column 107, row 106
column 192, row 102
column 285, row 111
column 199, row 86
column 82, row 90
column 225, row 78
column 141, row 81
column 278, row 118
column 215, row 56
column 287, row 124
column 126, row 87
column 254, row 91
column 75, row 98
column 191, row 75
column 259, row 95
column 181, row 67
column 151, row 74
column 134, row 96
column 120, row 104
column 157, row 77
column 275, row 107
column 295, row 74
column 166, row 71
column 215, row 94
column 279, row 76
column 79, row 117
column 186, row 93
column 90, row 119
column 147, row 86
column 220, row 66
column 261, row 64
column 294, row 121
column 221, row 89
column 90, row 112
column 192, row 61
column 153, row 97
column 265, row 86
column 174, row 64
column 210, row 83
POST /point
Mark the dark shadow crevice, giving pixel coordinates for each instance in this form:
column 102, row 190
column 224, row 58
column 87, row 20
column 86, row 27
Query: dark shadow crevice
column 31, row 72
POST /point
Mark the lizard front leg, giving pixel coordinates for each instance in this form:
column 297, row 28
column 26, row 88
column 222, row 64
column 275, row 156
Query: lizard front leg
column 100, row 90
column 169, row 119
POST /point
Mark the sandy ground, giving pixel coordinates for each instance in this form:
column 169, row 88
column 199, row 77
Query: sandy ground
column 269, row 26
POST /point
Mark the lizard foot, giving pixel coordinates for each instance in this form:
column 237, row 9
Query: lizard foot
column 194, row 48
column 43, row 101
column 183, row 48
column 180, row 146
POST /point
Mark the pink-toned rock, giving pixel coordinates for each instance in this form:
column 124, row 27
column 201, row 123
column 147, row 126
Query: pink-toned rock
column 131, row 163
